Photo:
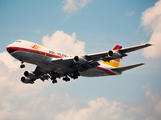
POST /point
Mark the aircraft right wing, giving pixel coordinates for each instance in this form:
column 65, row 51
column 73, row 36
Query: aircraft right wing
column 31, row 76
column 88, row 61
column 113, row 54
column 134, row 48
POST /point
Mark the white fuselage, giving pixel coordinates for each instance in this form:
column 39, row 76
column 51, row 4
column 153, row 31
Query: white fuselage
column 36, row 54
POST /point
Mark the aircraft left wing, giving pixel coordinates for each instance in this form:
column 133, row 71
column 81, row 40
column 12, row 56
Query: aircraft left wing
column 31, row 76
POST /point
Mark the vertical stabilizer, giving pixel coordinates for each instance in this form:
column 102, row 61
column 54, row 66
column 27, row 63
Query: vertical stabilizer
column 114, row 62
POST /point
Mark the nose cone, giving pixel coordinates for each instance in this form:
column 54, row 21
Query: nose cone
column 10, row 49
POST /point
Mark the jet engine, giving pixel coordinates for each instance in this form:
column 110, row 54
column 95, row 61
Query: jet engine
column 27, row 80
column 79, row 60
column 30, row 75
column 114, row 54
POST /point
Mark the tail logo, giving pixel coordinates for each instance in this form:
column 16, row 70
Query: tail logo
column 115, row 62
column 36, row 47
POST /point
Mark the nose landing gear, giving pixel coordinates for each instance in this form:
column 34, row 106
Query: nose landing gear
column 22, row 65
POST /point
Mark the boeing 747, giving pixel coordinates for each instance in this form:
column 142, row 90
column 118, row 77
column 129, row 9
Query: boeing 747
column 52, row 64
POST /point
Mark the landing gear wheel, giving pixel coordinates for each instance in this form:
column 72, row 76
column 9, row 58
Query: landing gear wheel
column 66, row 79
column 75, row 75
column 54, row 81
column 22, row 66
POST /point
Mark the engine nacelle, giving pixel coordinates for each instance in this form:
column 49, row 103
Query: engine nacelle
column 30, row 75
column 79, row 60
column 113, row 54
column 27, row 80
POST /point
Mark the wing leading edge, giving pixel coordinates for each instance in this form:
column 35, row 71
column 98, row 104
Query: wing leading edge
column 134, row 48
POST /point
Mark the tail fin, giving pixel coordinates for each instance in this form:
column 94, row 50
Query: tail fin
column 115, row 62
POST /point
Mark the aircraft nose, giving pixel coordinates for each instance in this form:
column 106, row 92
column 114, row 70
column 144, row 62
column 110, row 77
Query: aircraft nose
column 10, row 49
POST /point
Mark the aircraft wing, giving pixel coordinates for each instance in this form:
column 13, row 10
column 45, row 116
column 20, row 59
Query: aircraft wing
column 39, row 71
column 75, row 63
column 121, row 69
column 88, row 61
column 31, row 76
column 96, row 56
column 134, row 48
column 114, row 54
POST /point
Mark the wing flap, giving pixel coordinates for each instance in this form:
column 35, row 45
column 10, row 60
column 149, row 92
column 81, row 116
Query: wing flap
column 121, row 69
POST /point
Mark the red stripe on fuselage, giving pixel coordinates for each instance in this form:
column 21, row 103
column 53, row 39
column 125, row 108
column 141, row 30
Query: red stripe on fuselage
column 33, row 51
column 103, row 69
column 9, row 49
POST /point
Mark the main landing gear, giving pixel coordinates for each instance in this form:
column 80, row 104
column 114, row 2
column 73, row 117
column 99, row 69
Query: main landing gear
column 53, row 79
column 66, row 78
column 75, row 75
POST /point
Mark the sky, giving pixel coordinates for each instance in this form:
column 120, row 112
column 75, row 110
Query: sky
column 81, row 27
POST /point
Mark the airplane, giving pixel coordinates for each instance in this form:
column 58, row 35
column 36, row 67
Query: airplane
column 52, row 64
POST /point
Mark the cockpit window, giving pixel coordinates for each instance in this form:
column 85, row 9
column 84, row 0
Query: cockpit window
column 18, row 41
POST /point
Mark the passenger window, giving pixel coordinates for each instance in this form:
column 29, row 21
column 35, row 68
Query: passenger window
column 18, row 41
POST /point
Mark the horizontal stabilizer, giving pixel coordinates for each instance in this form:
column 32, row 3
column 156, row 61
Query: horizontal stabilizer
column 121, row 69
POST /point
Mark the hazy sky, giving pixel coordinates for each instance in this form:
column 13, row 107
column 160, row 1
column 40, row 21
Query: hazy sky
column 82, row 27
